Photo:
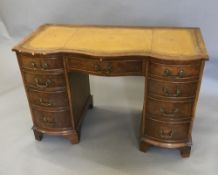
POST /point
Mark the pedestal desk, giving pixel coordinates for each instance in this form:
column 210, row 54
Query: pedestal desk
column 56, row 60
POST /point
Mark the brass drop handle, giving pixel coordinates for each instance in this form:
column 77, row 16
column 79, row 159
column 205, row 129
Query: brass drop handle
column 166, row 133
column 181, row 73
column 48, row 120
column 169, row 114
column 44, row 66
column 168, row 73
column 168, row 94
column 97, row 67
column 43, row 103
column 34, row 66
column 42, row 85
column 108, row 68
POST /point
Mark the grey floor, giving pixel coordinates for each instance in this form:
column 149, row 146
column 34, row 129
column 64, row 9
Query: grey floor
column 109, row 137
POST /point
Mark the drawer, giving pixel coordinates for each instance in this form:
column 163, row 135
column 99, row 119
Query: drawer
column 173, row 110
column 106, row 67
column 44, row 82
column 41, row 63
column 175, row 71
column 167, row 132
column 48, row 99
column 51, row 120
column 159, row 88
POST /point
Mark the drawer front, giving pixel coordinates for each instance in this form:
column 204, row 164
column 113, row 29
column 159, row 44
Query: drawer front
column 167, row 132
column 45, row 82
column 169, row 71
column 52, row 120
column 173, row 110
column 48, row 99
column 172, row 89
column 116, row 67
column 41, row 63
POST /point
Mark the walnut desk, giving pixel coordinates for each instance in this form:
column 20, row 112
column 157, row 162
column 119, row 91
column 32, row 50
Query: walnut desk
column 56, row 60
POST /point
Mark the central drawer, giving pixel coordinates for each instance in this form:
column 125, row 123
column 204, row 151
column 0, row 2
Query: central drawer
column 106, row 67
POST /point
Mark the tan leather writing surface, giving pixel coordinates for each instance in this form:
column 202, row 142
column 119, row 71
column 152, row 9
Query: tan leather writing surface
column 174, row 42
column 183, row 43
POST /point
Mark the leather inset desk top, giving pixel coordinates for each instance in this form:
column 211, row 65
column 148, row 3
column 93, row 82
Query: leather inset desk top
column 164, row 43
column 56, row 61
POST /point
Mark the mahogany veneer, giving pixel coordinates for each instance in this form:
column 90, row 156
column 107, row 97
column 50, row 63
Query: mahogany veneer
column 56, row 60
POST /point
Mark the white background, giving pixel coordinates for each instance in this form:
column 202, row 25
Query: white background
column 109, row 136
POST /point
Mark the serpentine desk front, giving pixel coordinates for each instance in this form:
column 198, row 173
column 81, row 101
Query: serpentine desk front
column 56, row 60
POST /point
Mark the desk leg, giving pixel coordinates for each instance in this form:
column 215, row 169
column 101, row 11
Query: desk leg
column 143, row 146
column 185, row 151
column 38, row 135
column 91, row 106
column 74, row 137
column 80, row 100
